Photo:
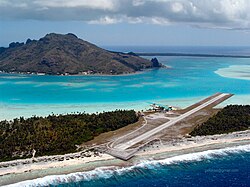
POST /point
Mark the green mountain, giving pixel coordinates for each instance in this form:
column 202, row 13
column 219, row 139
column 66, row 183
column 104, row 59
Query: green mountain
column 67, row 54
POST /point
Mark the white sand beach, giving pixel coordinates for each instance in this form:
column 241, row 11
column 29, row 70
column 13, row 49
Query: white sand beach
column 27, row 169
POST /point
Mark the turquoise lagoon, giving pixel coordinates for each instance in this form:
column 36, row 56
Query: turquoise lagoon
column 188, row 80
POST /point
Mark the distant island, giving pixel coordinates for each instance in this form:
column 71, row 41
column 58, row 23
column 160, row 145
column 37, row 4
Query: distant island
column 193, row 55
column 58, row 54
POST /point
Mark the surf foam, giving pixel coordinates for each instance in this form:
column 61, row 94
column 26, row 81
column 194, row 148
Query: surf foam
column 107, row 172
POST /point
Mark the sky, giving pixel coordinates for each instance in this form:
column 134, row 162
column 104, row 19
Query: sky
column 129, row 22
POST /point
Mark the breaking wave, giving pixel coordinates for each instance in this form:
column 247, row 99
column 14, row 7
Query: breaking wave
column 107, row 172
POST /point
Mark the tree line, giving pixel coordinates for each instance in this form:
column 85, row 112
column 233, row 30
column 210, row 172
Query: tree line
column 229, row 119
column 57, row 134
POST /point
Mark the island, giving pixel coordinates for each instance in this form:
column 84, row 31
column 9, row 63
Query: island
column 61, row 144
column 59, row 54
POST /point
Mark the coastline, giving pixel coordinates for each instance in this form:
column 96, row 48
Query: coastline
column 9, row 111
column 87, row 74
column 156, row 151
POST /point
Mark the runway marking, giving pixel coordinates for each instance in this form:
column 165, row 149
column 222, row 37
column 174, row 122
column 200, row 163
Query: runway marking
column 167, row 124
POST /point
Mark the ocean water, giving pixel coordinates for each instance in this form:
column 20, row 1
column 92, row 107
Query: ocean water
column 225, row 50
column 221, row 167
column 188, row 80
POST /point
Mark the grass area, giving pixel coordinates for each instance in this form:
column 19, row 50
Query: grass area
column 184, row 127
column 108, row 136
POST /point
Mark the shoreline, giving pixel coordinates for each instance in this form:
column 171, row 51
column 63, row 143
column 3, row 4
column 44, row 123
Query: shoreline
column 44, row 109
column 88, row 74
column 72, row 75
column 21, row 172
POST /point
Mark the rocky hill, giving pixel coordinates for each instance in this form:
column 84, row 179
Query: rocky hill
column 58, row 54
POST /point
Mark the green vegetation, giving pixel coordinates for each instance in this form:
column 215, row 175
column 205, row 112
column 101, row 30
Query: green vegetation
column 57, row 54
column 229, row 119
column 57, row 134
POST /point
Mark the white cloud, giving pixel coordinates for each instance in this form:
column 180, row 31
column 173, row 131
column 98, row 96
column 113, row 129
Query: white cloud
column 230, row 14
column 92, row 4
column 6, row 3
column 159, row 21
column 177, row 7
column 138, row 2
column 106, row 20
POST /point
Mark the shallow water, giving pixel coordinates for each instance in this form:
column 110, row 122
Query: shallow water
column 235, row 71
column 187, row 81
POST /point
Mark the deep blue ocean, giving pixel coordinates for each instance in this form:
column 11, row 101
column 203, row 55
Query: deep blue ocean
column 221, row 167
column 187, row 80
column 232, row 170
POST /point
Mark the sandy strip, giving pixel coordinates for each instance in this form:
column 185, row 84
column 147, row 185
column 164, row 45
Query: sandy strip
column 165, row 149
column 52, row 164
column 13, row 174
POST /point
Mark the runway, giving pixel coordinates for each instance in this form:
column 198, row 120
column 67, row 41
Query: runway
column 148, row 134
